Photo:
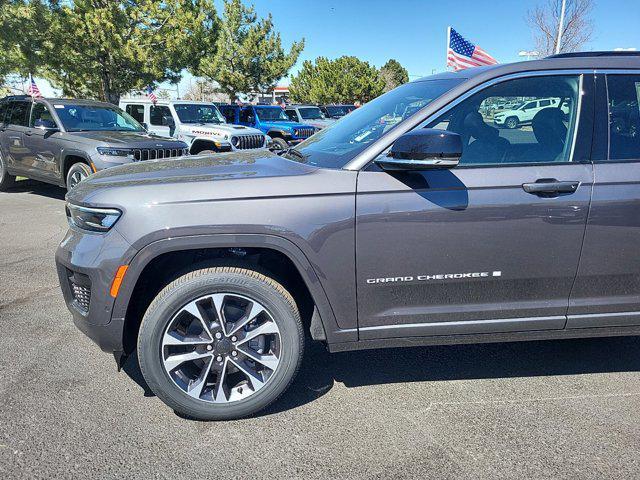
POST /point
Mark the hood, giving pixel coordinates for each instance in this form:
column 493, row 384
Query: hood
column 124, row 139
column 284, row 125
column 217, row 129
column 321, row 123
column 185, row 178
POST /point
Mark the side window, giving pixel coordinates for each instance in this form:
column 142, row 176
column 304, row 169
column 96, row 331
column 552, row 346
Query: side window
column 292, row 115
column 495, row 130
column 157, row 112
column 624, row 117
column 545, row 103
column 244, row 115
column 40, row 112
column 4, row 107
column 137, row 112
column 229, row 114
column 19, row 114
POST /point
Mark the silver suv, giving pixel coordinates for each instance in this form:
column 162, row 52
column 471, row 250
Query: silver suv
column 63, row 141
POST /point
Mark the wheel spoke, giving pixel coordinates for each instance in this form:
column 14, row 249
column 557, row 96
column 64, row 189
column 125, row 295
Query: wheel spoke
column 254, row 377
column 195, row 386
column 266, row 328
column 269, row 361
column 172, row 361
column 219, row 395
column 256, row 309
column 174, row 338
column 218, row 304
column 194, row 310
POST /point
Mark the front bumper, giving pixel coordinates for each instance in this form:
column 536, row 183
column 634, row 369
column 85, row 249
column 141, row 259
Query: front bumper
column 86, row 265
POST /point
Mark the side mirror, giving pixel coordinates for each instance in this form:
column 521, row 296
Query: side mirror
column 168, row 121
column 423, row 149
column 46, row 125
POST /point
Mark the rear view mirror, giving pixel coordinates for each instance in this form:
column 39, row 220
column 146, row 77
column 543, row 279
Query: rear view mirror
column 423, row 149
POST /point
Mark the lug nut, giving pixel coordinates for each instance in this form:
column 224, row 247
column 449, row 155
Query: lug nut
column 219, row 359
column 218, row 335
column 209, row 347
column 234, row 354
column 234, row 338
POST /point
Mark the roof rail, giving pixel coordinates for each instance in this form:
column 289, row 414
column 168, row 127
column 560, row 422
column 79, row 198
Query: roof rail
column 615, row 53
column 16, row 97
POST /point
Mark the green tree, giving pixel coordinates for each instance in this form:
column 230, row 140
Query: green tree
column 393, row 74
column 343, row 80
column 249, row 55
column 105, row 48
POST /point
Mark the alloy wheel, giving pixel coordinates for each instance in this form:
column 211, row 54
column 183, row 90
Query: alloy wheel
column 221, row 348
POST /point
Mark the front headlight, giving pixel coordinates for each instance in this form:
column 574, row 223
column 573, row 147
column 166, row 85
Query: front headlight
column 92, row 219
column 115, row 152
column 296, row 132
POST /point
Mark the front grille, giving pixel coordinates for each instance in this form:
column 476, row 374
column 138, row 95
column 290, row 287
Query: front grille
column 245, row 142
column 140, row 154
column 80, row 290
column 305, row 132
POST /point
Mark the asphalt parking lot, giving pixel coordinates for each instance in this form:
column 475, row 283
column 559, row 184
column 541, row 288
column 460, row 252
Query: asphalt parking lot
column 562, row 409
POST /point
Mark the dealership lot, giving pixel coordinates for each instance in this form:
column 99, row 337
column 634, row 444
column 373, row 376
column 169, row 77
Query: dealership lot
column 519, row 410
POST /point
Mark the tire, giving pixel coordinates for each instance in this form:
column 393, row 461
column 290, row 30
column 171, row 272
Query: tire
column 167, row 330
column 78, row 172
column 279, row 144
column 511, row 123
column 6, row 180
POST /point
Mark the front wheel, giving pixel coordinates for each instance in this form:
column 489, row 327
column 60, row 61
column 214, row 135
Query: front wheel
column 511, row 122
column 279, row 144
column 78, row 172
column 220, row 343
column 6, row 180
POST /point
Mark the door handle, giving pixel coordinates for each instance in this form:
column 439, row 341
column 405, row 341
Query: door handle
column 550, row 187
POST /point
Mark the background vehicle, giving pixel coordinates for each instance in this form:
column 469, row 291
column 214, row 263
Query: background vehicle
column 524, row 113
column 271, row 120
column 440, row 229
column 62, row 141
column 199, row 124
column 310, row 114
column 336, row 111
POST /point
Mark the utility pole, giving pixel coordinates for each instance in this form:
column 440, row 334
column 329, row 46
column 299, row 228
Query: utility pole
column 561, row 26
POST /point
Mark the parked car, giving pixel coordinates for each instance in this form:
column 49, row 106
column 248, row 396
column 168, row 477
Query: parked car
column 337, row 111
column 63, row 141
column 271, row 120
column 310, row 114
column 199, row 124
column 439, row 230
column 523, row 114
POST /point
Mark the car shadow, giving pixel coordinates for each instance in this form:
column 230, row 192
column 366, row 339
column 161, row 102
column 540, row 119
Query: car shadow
column 38, row 188
column 320, row 369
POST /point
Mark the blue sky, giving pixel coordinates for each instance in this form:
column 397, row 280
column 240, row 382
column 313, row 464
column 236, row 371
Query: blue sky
column 414, row 31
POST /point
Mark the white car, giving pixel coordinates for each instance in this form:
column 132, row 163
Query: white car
column 199, row 124
column 309, row 115
column 524, row 113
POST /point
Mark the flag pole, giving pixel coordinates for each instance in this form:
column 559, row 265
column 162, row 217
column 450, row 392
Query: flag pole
column 446, row 65
column 561, row 27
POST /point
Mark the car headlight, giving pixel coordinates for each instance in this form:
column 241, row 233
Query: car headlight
column 92, row 219
column 296, row 132
column 115, row 152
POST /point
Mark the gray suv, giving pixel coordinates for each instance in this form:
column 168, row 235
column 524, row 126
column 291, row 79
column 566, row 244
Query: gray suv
column 62, row 141
column 386, row 230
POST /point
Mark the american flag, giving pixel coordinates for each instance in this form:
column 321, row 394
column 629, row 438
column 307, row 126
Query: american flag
column 461, row 53
column 151, row 95
column 33, row 89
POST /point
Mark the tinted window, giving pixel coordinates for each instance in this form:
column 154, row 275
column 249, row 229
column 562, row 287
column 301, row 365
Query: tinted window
column 3, row 110
column 157, row 112
column 545, row 103
column 292, row 115
column 229, row 114
column 489, row 137
column 95, row 117
column 198, row 113
column 40, row 112
column 624, row 116
column 136, row 111
column 311, row 113
column 244, row 115
column 19, row 113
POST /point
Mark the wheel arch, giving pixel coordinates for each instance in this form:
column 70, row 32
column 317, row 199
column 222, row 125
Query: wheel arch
column 71, row 157
column 162, row 261
column 200, row 144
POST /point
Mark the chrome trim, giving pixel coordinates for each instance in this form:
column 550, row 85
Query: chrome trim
column 382, row 144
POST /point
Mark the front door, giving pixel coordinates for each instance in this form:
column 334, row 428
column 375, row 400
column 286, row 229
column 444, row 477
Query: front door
column 43, row 146
column 492, row 245
column 14, row 139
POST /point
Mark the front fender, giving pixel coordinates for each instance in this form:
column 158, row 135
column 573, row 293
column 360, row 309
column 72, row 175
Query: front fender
column 333, row 333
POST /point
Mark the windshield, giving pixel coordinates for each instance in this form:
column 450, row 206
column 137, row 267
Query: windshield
column 89, row 118
column 339, row 110
column 336, row 145
column 311, row 113
column 270, row 114
column 198, row 113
